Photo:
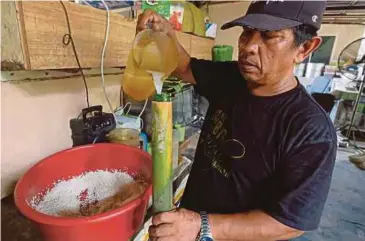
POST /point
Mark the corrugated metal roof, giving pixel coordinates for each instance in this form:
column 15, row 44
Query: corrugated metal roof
column 345, row 12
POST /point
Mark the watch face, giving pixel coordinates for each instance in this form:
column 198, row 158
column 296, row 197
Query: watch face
column 206, row 239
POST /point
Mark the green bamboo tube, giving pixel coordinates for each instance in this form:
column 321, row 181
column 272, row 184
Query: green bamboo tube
column 162, row 153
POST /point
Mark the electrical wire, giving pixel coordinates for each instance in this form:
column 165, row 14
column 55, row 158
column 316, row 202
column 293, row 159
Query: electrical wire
column 140, row 114
column 103, row 54
column 102, row 67
column 143, row 109
column 129, row 104
column 121, row 110
column 67, row 39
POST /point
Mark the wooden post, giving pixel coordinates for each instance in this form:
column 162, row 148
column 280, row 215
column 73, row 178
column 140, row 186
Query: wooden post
column 12, row 57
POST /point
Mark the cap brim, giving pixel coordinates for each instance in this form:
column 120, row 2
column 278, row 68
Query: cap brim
column 262, row 22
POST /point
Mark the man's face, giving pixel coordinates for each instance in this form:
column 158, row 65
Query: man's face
column 266, row 57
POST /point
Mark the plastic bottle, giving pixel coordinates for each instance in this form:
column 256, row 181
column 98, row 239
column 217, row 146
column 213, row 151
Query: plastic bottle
column 154, row 56
column 137, row 83
column 155, row 51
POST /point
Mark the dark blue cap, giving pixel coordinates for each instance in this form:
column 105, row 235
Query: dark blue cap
column 271, row 15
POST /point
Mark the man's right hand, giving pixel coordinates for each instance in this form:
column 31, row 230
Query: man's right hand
column 159, row 23
column 156, row 22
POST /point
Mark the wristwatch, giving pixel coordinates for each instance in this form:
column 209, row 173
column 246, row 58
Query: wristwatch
column 205, row 233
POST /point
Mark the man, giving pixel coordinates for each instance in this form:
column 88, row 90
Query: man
column 265, row 157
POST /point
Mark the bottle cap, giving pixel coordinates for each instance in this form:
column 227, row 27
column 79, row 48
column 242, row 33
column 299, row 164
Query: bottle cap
column 163, row 97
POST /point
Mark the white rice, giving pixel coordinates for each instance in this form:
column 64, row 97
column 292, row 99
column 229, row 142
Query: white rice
column 65, row 195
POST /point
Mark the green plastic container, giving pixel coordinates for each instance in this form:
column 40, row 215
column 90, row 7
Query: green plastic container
column 222, row 53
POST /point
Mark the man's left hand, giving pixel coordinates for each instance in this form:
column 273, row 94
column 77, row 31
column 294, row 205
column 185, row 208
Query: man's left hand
column 180, row 224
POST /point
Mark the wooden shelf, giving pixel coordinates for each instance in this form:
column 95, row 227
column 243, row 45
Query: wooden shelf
column 37, row 31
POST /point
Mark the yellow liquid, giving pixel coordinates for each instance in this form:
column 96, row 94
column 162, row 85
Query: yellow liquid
column 151, row 52
column 137, row 83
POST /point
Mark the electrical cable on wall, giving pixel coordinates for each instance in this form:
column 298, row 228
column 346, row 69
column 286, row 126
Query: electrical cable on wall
column 67, row 39
column 143, row 109
column 103, row 54
column 102, row 65
column 129, row 104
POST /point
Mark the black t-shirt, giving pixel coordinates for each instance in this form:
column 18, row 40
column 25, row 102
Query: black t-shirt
column 275, row 154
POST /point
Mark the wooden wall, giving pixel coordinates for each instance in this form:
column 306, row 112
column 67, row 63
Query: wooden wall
column 38, row 30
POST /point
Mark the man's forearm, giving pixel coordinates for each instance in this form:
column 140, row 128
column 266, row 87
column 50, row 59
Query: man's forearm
column 252, row 226
column 183, row 69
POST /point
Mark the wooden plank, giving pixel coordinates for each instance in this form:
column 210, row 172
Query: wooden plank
column 42, row 75
column 45, row 26
column 22, row 34
column 201, row 48
column 11, row 49
column 185, row 40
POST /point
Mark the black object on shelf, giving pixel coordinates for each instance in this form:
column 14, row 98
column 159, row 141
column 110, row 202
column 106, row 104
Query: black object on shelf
column 92, row 127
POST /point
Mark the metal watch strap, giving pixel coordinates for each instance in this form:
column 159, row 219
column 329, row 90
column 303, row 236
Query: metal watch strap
column 205, row 228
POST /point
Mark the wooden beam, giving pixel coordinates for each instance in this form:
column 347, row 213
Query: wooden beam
column 42, row 75
column 185, row 40
column 220, row 2
column 341, row 8
column 43, row 25
column 11, row 48
column 23, row 36
column 343, row 22
column 201, row 49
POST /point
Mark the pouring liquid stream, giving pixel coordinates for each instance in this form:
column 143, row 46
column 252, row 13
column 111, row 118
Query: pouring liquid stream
column 157, row 80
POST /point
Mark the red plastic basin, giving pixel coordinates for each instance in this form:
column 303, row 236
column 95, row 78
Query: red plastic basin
column 115, row 225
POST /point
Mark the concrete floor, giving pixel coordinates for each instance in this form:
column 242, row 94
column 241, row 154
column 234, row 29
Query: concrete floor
column 344, row 214
column 343, row 218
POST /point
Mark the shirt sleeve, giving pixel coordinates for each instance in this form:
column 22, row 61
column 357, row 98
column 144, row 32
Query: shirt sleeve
column 216, row 79
column 303, row 185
